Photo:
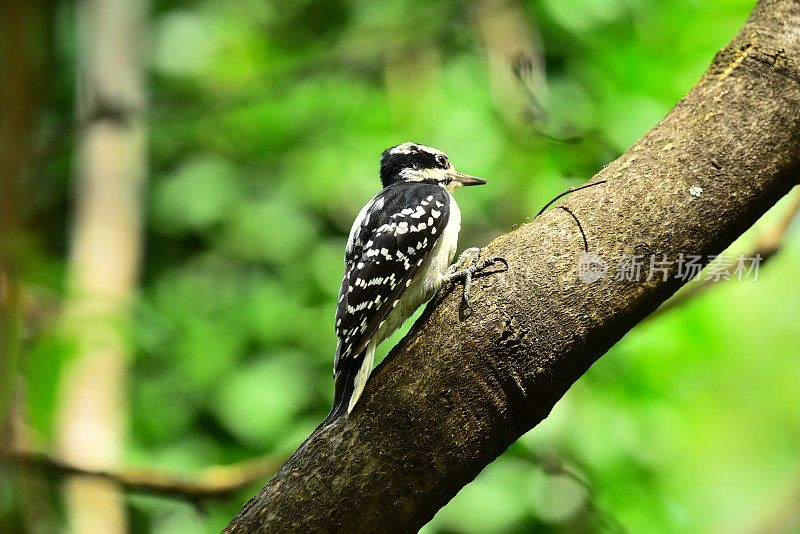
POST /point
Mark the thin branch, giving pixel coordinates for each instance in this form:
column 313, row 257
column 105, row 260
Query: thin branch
column 567, row 192
column 784, row 515
column 210, row 483
column 580, row 227
column 551, row 465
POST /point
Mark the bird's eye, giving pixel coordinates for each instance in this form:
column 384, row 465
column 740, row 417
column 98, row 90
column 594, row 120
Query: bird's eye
column 441, row 160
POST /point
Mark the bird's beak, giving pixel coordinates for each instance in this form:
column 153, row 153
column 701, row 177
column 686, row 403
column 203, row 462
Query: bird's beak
column 464, row 179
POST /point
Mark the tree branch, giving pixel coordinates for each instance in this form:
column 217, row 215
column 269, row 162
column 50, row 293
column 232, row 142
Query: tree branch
column 456, row 392
column 768, row 244
column 212, row 482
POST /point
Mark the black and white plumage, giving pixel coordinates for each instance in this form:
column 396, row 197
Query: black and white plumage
column 397, row 257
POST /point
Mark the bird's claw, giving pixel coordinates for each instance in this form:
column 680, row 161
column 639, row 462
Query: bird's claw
column 475, row 267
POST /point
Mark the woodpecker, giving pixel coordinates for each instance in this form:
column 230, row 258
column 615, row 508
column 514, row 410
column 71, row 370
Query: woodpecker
column 397, row 257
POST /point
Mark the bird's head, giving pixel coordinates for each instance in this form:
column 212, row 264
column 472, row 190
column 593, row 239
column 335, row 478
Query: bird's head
column 412, row 162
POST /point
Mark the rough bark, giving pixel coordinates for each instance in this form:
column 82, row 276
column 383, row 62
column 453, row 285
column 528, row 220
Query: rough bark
column 459, row 390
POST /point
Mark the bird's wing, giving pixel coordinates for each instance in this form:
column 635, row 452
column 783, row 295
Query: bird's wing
column 389, row 243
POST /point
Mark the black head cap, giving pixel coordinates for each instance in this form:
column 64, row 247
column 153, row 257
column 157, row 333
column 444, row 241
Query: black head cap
column 412, row 157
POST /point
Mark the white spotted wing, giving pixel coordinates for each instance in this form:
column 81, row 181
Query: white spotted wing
column 389, row 244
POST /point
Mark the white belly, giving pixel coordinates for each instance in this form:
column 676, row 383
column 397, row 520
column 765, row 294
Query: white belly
column 431, row 276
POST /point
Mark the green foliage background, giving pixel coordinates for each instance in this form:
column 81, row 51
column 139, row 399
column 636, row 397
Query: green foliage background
column 266, row 123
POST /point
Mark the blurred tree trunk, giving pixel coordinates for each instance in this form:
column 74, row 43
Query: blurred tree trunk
column 25, row 54
column 21, row 78
column 459, row 389
column 514, row 59
column 105, row 250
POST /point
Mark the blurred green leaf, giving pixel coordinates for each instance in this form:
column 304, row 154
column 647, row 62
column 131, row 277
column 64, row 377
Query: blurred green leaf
column 200, row 193
column 258, row 401
column 269, row 231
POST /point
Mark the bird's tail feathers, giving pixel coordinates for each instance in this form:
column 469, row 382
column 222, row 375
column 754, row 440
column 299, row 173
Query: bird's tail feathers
column 350, row 381
column 345, row 384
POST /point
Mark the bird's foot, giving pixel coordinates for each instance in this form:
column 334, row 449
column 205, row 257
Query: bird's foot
column 475, row 267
